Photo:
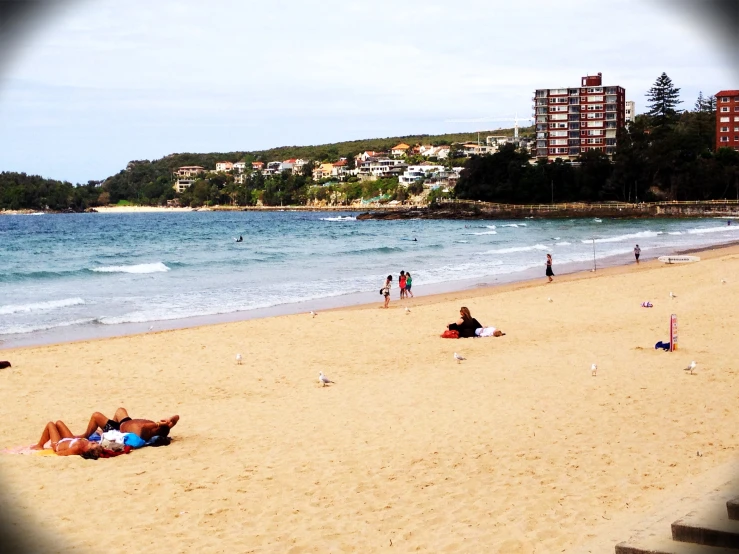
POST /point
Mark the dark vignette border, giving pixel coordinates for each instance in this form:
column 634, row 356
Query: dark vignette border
column 20, row 19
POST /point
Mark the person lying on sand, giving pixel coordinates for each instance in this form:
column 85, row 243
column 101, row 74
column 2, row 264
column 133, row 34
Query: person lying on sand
column 64, row 443
column 144, row 428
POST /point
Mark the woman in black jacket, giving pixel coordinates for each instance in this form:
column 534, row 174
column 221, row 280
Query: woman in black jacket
column 465, row 325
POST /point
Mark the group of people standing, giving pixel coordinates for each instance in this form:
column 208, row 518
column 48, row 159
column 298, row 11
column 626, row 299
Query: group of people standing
column 405, row 284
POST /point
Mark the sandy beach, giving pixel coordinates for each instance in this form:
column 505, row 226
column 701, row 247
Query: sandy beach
column 517, row 449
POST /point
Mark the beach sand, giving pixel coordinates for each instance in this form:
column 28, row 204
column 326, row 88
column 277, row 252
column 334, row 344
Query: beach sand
column 517, row 449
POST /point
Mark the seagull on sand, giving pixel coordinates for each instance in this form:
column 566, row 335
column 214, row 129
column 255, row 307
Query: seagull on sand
column 459, row 358
column 673, row 295
column 691, row 367
column 550, row 299
column 314, row 314
column 407, row 310
column 238, row 359
column 323, row 379
column 723, row 281
column 594, row 370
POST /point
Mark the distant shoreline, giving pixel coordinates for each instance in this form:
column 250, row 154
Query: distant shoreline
column 462, row 209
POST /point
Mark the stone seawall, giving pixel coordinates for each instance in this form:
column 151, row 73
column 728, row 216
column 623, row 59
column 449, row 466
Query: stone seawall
column 484, row 210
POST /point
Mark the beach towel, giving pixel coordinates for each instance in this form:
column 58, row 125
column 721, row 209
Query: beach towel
column 134, row 441
column 646, row 304
column 106, row 453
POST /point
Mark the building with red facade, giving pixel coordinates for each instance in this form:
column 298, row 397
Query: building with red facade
column 727, row 119
column 571, row 121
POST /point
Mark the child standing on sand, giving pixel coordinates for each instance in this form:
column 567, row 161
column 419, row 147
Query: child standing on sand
column 550, row 273
column 408, row 283
column 386, row 290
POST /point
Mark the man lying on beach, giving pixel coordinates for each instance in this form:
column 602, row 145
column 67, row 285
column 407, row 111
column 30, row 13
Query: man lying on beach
column 144, row 428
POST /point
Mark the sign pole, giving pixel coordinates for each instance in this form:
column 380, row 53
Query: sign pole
column 673, row 332
column 594, row 264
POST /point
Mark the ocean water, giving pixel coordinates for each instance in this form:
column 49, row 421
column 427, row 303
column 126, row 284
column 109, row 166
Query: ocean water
column 68, row 276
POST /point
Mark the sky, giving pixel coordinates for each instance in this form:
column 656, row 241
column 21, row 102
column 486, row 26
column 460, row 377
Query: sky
column 86, row 86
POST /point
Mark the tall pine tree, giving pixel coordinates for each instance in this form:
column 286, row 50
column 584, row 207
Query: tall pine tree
column 663, row 98
column 700, row 103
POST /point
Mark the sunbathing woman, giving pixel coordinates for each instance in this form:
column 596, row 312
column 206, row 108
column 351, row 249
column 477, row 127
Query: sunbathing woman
column 465, row 325
column 64, row 443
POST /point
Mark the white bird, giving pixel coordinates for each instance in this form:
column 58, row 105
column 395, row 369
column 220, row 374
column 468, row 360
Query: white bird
column 673, row 295
column 151, row 328
column 323, row 379
column 459, row 358
column 407, row 310
column 691, row 367
column 550, row 299
column 314, row 314
column 238, row 359
column 594, row 370
column 723, row 281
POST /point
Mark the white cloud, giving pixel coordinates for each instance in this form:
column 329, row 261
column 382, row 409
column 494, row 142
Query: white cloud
column 287, row 71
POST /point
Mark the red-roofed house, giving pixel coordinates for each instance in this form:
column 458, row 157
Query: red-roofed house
column 339, row 168
column 727, row 119
column 257, row 165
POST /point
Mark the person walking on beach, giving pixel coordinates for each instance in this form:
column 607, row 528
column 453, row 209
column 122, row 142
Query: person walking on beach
column 550, row 273
column 408, row 283
column 637, row 252
column 401, row 284
column 386, row 290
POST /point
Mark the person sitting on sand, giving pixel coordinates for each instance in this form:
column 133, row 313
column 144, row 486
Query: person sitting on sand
column 466, row 324
column 64, row 443
column 144, row 428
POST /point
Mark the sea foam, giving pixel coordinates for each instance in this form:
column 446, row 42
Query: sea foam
column 157, row 267
column 618, row 238
column 512, row 249
column 40, row 306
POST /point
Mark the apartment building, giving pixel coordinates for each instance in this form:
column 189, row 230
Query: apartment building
column 630, row 111
column 571, row 121
column 727, row 119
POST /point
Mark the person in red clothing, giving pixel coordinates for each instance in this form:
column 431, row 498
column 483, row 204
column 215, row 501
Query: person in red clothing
column 401, row 284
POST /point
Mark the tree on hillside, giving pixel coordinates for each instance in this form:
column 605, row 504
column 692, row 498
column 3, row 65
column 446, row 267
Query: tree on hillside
column 664, row 98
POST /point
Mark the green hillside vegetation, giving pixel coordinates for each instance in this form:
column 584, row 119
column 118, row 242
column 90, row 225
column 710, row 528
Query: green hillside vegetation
column 145, row 182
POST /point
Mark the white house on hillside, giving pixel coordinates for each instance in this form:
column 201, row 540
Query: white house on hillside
column 224, row 166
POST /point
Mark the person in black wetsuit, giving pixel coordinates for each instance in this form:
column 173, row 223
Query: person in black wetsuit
column 466, row 324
